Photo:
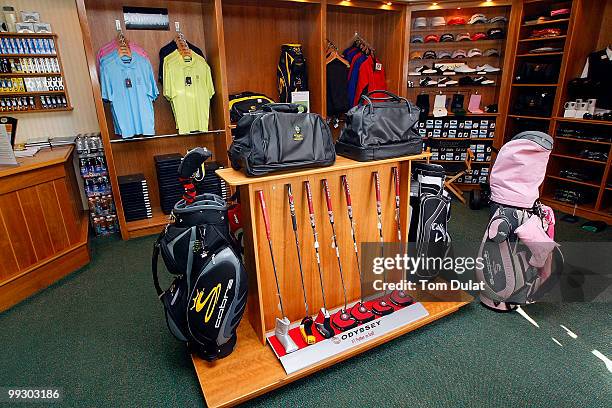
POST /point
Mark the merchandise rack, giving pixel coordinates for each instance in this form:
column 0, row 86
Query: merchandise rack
column 490, row 93
column 225, row 382
column 36, row 94
column 586, row 30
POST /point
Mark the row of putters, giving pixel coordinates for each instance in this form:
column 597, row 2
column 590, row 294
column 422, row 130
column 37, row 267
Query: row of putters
column 325, row 325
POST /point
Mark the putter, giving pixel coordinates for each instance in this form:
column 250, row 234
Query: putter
column 341, row 320
column 307, row 322
column 380, row 306
column 358, row 311
column 398, row 297
column 281, row 331
column 324, row 328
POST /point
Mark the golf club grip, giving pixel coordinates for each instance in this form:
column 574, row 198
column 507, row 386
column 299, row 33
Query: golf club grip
column 264, row 211
column 377, row 186
column 347, row 191
column 309, row 197
column 291, row 207
column 327, row 195
column 397, row 181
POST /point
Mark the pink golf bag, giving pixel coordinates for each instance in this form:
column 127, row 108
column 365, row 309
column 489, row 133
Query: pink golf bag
column 518, row 249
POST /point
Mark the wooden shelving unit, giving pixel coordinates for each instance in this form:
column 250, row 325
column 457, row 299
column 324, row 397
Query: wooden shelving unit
column 8, row 96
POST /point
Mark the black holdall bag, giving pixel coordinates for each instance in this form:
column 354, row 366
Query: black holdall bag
column 281, row 138
column 380, row 130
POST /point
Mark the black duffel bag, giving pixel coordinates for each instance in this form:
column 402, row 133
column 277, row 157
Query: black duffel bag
column 281, row 138
column 380, row 130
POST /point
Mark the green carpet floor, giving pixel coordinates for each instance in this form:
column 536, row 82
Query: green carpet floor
column 100, row 335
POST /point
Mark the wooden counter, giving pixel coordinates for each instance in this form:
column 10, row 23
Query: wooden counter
column 43, row 229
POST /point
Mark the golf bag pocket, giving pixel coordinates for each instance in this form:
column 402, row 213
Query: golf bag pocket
column 511, row 272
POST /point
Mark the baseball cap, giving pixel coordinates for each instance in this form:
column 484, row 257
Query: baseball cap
column 438, row 21
column 477, row 18
column 491, row 52
column 429, row 54
column 459, row 54
column 474, row 52
column 432, row 38
column 478, row 36
column 447, row 37
column 417, row 39
column 463, row 37
column 456, row 21
column 498, row 19
column 416, row 55
column 420, row 22
column 444, row 54
column 496, row 33
column 560, row 12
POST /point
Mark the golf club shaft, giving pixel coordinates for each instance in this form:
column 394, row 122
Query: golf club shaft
column 397, row 202
column 349, row 207
column 315, row 235
column 330, row 213
column 266, row 218
column 297, row 242
column 379, row 216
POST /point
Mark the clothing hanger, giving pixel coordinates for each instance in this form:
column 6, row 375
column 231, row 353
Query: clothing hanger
column 123, row 47
column 333, row 54
column 181, row 43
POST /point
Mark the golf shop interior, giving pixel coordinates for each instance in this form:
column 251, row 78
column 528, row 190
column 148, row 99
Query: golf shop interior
column 298, row 203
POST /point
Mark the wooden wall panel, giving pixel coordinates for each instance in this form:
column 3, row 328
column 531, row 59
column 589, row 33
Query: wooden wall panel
column 64, row 20
column 8, row 266
column 36, row 225
column 17, row 231
column 254, row 32
column 61, row 189
column 53, row 217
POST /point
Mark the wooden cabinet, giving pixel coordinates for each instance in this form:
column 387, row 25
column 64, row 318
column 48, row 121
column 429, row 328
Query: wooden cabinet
column 43, row 229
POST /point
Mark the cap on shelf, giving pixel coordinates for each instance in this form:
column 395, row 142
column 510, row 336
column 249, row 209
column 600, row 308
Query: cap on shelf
column 456, row 21
column 496, row 33
column 498, row 19
column 417, row 39
column 477, row 18
column 429, row 54
column 416, row 55
column 444, row 54
column 478, row 36
column 438, row 21
column 447, row 37
column 463, row 37
column 420, row 22
column 432, row 38
column 491, row 52
column 459, row 54
column 474, row 52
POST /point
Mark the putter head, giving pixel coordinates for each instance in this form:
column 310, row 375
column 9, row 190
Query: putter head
column 381, row 307
column 344, row 321
column 361, row 313
column 306, row 330
column 281, row 331
column 400, row 298
column 323, row 324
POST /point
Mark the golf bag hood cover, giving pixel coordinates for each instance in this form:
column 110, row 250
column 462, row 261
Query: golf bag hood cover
column 519, row 169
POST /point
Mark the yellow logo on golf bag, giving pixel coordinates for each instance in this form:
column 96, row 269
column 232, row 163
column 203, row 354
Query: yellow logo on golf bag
column 210, row 302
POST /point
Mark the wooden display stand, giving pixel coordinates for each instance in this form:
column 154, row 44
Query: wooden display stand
column 43, row 228
column 227, row 381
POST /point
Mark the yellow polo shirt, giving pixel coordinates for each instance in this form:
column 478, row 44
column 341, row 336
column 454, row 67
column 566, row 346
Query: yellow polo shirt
column 189, row 87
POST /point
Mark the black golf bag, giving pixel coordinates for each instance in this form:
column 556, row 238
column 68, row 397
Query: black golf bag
column 206, row 300
column 430, row 215
column 291, row 72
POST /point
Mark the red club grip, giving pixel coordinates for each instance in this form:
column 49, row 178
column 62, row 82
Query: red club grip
column 327, row 194
column 397, row 181
column 309, row 197
column 264, row 211
column 347, row 190
column 377, row 185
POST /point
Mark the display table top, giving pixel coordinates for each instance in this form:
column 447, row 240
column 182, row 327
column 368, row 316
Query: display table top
column 43, row 158
column 238, row 178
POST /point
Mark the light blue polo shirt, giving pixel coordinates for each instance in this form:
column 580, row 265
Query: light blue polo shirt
column 130, row 87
